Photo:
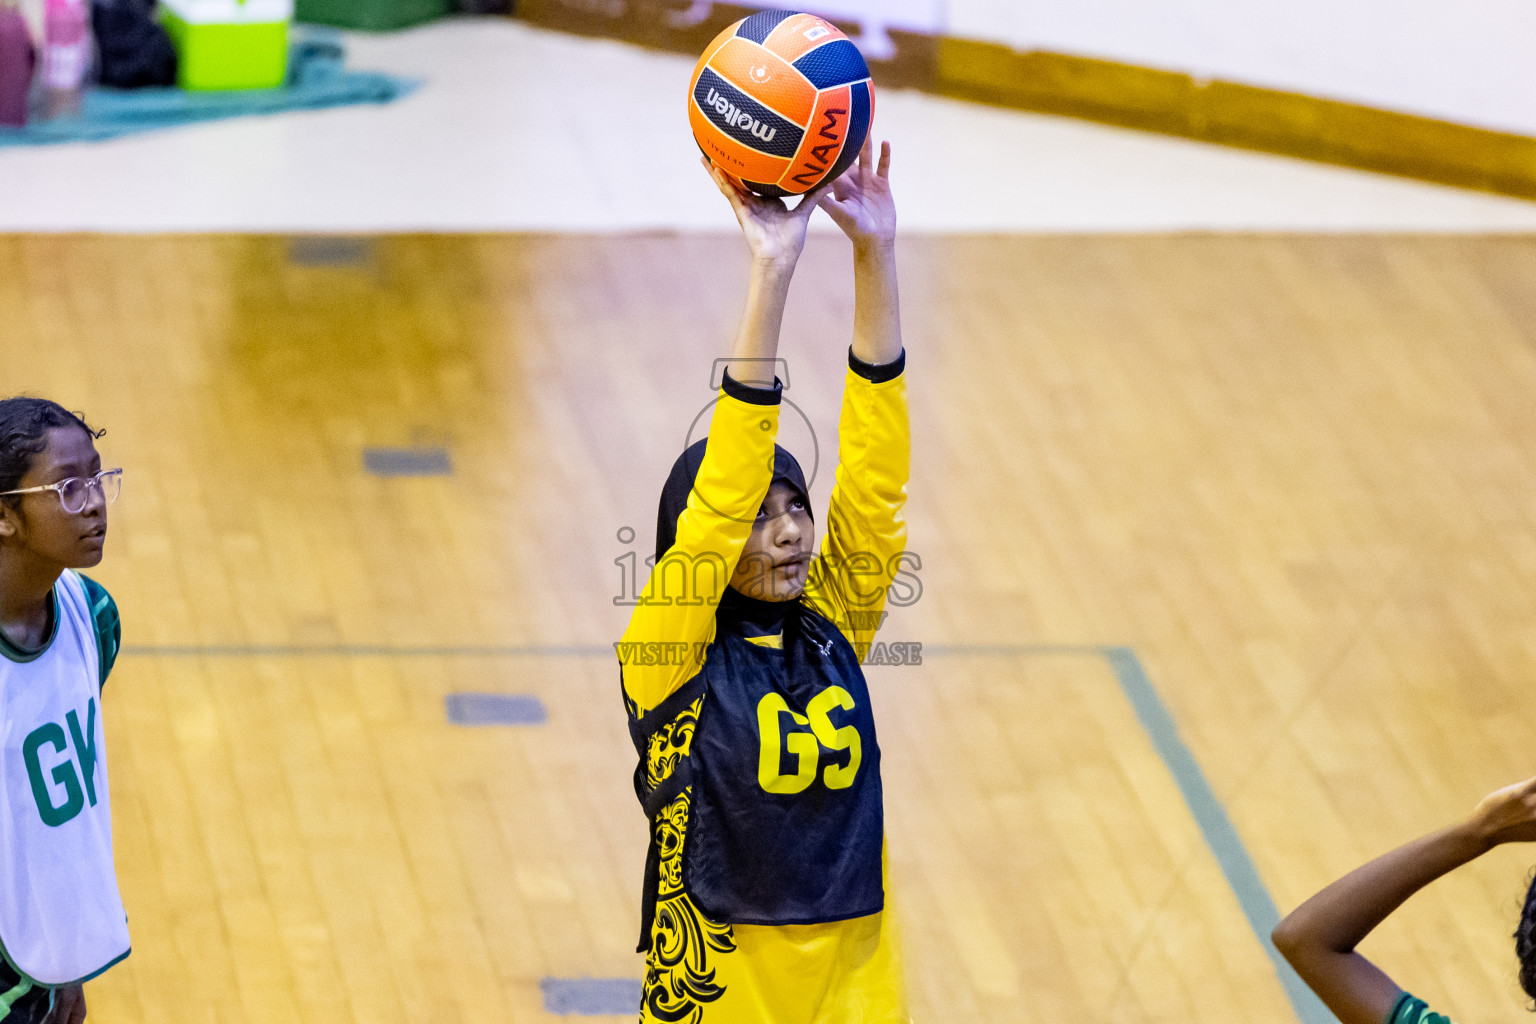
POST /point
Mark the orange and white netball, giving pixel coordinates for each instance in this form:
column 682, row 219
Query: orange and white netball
column 781, row 102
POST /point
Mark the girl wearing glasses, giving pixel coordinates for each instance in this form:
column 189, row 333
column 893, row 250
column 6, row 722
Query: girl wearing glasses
column 764, row 898
column 61, row 918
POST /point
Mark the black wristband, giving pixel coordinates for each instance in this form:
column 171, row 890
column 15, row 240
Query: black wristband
column 877, row 373
column 752, row 394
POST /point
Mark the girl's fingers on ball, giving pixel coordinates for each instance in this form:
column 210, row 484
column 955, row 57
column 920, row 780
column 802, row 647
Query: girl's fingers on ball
column 731, row 190
column 826, row 189
column 743, row 209
column 710, row 169
column 718, row 102
column 723, row 183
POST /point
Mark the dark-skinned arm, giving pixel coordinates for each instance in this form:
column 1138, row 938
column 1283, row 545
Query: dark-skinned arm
column 1319, row 937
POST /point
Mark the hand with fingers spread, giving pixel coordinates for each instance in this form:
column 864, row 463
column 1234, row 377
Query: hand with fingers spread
column 775, row 231
column 861, row 201
column 862, row 205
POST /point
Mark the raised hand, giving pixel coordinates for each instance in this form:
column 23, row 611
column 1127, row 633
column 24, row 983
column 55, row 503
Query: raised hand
column 775, row 232
column 1507, row 815
column 861, row 202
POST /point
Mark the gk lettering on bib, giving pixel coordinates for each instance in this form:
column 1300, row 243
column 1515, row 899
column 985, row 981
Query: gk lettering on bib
column 61, row 918
column 76, row 786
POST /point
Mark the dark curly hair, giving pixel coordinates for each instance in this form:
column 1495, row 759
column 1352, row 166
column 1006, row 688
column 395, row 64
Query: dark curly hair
column 1525, row 939
column 24, row 426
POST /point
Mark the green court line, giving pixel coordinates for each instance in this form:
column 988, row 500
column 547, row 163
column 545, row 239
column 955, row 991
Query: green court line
column 1220, row 835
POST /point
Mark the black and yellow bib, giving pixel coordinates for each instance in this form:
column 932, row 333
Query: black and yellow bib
column 785, row 822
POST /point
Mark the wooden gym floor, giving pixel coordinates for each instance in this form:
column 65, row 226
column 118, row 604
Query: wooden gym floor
column 1294, row 477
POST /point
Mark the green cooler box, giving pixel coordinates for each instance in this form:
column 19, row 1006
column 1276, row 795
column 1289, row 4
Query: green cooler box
column 229, row 44
column 374, row 15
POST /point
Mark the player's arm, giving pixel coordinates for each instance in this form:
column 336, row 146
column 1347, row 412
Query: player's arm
column 663, row 647
column 675, row 618
column 862, row 205
column 866, row 532
column 775, row 234
column 1319, row 937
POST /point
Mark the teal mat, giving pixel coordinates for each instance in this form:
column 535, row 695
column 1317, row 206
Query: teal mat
column 317, row 78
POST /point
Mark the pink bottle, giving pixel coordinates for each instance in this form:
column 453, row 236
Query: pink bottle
column 66, row 53
column 17, row 58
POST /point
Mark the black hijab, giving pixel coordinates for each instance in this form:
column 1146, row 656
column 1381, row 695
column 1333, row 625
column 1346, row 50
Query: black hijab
column 766, row 616
column 674, row 494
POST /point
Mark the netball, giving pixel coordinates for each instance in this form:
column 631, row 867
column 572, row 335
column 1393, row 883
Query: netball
column 781, row 102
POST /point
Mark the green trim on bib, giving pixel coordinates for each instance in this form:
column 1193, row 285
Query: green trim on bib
column 32, row 982
column 109, row 627
column 100, row 970
column 6, row 956
column 8, row 998
column 21, row 655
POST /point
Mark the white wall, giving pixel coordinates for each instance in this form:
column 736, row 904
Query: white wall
column 873, row 16
column 1471, row 61
column 382, row 168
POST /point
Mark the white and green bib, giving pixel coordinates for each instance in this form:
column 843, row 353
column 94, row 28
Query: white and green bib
column 61, row 917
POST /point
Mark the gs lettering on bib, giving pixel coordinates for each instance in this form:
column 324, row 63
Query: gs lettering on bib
column 786, row 821
column 61, row 917
column 806, row 746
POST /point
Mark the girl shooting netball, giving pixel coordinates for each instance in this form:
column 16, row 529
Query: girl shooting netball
column 764, row 896
column 61, row 918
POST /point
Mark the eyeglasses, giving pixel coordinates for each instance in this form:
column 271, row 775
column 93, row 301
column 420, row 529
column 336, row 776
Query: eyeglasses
column 75, row 492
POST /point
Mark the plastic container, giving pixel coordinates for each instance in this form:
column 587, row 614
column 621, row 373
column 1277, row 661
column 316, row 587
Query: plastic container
column 373, row 15
column 67, row 54
column 226, row 44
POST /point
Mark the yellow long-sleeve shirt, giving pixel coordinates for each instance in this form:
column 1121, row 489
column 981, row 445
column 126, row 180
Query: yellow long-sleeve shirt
column 704, row 971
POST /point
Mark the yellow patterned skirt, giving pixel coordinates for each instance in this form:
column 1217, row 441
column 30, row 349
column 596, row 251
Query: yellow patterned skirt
column 702, row 972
